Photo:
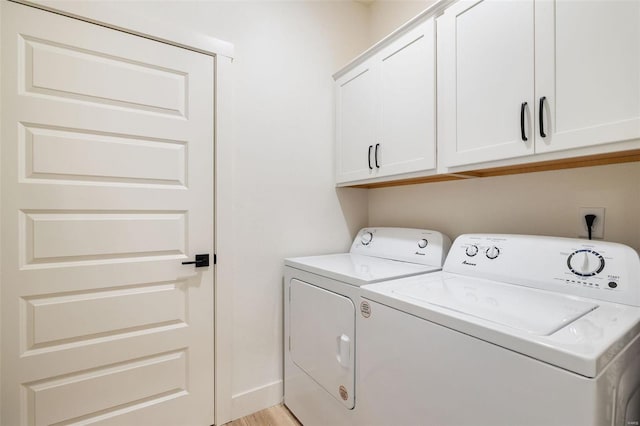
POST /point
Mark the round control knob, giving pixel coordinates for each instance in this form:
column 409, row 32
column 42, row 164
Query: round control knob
column 423, row 243
column 472, row 250
column 366, row 238
column 493, row 252
column 585, row 263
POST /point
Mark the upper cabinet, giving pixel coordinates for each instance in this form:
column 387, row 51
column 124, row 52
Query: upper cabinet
column 486, row 56
column 587, row 73
column 522, row 85
column 529, row 77
column 356, row 110
column 386, row 109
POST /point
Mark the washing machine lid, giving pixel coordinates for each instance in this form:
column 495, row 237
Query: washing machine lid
column 508, row 305
column 356, row 269
column 574, row 333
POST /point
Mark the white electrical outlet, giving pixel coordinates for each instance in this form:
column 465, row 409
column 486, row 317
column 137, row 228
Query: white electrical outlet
column 597, row 231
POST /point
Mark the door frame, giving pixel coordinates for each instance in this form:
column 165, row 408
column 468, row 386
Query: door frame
column 223, row 54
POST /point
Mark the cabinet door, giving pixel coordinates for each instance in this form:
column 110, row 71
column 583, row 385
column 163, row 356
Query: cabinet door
column 355, row 123
column 486, row 50
column 407, row 125
column 588, row 69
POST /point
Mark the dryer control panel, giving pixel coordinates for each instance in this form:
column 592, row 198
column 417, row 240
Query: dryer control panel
column 594, row 269
column 421, row 246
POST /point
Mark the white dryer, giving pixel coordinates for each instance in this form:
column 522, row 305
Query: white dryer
column 516, row 330
column 321, row 296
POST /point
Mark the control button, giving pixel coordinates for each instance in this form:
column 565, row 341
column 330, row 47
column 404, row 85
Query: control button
column 613, row 284
column 423, row 243
column 493, row 252
column 585, row 263
column 472, row 250
column 366, row 238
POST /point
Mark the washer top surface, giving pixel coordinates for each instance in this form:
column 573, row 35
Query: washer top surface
column 357, row 269
column 530, row 295
column 578, row 334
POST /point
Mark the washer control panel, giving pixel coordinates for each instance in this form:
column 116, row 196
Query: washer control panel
column 421, row 246
column 595, row 269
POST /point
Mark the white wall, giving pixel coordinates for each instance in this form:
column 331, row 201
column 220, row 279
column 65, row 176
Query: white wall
column 285, row 203
column 544, row 203
column 387, row 15
column 284, row 198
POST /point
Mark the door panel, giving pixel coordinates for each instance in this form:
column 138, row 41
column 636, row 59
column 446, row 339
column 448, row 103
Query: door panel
column 101, row 389
column 73, row 237
column 407, row 108
column 52, row 320
column 71, row 72
column 322, row 338
column 487, row 73
column 107, row 186
column 70, row 154
column 588, row 68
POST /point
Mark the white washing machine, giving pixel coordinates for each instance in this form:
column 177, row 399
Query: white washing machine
column 516, row 330
column 321, row 296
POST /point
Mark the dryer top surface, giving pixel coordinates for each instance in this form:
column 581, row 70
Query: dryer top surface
column 357, row 269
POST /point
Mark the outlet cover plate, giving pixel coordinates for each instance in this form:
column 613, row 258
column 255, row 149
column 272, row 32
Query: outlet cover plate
column 597, row 232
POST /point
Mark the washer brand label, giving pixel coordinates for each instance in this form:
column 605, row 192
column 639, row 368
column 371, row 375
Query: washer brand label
column 420, row 254
column 365, row 309
column 464, row 262
column 343, row 393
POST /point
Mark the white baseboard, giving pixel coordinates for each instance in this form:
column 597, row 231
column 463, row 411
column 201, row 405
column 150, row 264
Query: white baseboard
column 245, row 403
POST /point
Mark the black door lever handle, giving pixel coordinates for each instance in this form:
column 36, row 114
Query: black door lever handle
column 202, row 260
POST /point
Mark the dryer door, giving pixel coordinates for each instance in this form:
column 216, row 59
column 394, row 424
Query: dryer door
column 322, row 338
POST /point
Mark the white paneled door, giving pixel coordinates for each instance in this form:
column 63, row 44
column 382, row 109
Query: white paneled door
column 106, row 188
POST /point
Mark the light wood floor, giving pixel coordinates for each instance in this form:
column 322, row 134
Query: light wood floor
column 277, row 415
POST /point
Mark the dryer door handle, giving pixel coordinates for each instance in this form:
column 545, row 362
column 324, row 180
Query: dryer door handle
column 343, row 351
